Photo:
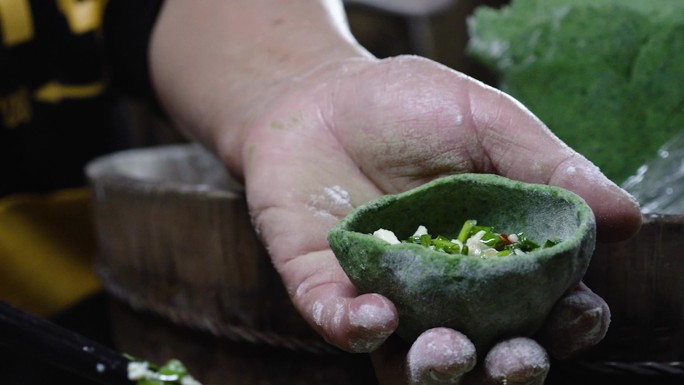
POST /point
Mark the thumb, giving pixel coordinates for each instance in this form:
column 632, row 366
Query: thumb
column 520, row 146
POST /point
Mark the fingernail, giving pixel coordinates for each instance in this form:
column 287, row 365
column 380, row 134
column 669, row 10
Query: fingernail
column 582, row 323
column 440, row 356
column 372, row 322
column 519, row 361
column 589, row 324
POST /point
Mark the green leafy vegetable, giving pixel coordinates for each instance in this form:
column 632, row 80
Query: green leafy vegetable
column 602, row 74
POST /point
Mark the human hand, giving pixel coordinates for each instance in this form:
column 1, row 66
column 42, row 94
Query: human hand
column 316, row 126
column 353, row 130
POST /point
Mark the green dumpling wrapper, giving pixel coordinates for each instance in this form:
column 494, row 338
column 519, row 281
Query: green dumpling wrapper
column 487, row 299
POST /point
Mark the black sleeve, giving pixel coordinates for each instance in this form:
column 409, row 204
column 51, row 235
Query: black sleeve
column 127, row 27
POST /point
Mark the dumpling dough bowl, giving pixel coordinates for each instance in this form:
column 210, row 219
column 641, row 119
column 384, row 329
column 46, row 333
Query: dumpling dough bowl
column 487, row 299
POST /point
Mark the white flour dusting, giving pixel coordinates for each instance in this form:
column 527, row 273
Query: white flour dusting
column 440, row 350
column 330, row 201
column 514, row 353
column 378, row 317
column 368, row 316
column 317, row 312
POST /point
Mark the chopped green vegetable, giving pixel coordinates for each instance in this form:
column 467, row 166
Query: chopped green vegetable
column 481, row 241
column 465, row 230
column 173, row 372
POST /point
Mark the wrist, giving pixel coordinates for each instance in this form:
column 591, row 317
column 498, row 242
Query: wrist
column 220, row 66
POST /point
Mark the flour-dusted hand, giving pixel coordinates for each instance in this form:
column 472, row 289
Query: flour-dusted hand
column 316, row 126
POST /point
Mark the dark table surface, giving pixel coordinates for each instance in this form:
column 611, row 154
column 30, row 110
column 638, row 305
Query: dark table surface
column 91, row 318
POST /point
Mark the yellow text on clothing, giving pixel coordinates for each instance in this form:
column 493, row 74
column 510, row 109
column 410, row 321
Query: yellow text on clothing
column 54, row 92
column 82, row 15
column 15, row 108
column 16, row 22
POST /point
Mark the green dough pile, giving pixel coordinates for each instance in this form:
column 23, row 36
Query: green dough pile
column 488, row 299
column 607, row 76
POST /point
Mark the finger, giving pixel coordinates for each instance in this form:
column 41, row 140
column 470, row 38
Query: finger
column 577, row 322
column 437, row 121
column 440, row 356
column 329, row 302
column 299, row 184
column 618, row 216
column 521, row 147
column 318, row 287
column 518, row 361
column 389, row 361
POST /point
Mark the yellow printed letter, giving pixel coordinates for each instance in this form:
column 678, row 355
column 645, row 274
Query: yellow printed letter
column 82, row 15
column 16, row 21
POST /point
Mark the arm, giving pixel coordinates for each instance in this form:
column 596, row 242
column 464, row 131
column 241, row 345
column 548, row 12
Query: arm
column 211, row 62
column 316, row 126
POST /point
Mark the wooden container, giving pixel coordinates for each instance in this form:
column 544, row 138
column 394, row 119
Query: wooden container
column 642, row 280
column 191, row 279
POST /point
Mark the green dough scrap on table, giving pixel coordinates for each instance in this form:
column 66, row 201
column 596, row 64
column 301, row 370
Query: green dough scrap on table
column 606, row 76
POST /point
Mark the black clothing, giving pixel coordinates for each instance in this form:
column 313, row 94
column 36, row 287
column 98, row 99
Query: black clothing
column 62, row 66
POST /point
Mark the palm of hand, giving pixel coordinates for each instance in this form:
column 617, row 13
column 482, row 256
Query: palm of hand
column 345, row 134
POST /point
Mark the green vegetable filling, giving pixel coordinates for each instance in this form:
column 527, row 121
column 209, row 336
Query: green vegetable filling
column 173, row 372
column 477, row 240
